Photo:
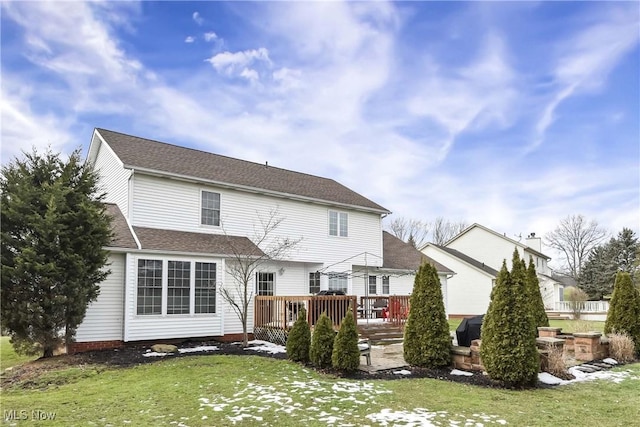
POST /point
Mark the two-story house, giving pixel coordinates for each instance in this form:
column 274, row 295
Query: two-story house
column 476, row 255
column 181, row 215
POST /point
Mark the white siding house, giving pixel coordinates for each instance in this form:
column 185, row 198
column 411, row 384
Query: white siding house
column 476, row 255
column 182, row 215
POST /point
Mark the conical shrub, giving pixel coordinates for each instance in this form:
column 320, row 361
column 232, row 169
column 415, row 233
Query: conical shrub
column 427, row 342
column 299, row 339
column 346, row 355
column 624, row 310
column 322, row 342
column 508, row 349
column 535, row 297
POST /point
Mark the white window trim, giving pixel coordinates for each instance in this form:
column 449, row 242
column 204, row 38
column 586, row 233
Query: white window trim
column 265, row 272
column 338, row 224
column 202, row 190
column 165, row 286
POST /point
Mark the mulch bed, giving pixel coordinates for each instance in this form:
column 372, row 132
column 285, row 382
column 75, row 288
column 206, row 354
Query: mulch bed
column 132, row 355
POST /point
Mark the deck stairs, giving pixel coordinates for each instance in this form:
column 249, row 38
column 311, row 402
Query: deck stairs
column 381, row 333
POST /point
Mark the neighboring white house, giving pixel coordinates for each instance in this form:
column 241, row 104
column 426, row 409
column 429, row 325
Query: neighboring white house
column 469, row 290
column 479, row 246
column 180, row 214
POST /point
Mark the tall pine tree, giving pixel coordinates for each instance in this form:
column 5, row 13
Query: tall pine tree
column 54, row 228
column 427, row 341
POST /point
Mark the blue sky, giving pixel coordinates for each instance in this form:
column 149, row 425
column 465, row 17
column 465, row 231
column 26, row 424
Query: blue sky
column 510, row 114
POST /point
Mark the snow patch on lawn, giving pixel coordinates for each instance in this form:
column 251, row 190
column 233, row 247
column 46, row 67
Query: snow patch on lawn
column 425, row 418
column 298, row 400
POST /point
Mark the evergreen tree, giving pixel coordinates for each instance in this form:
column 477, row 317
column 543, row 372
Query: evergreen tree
column 624, row 310
column 322, row 342
column 508, row 348
column 346, row 354
column 535, row 297
column 299, row 339
column 619, row 254
column 427, row 341
column 54, row 228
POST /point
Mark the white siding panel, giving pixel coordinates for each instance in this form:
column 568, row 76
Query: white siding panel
column 469, row 290
column 166, row 203
column 114, row 178
column 169, row 326
column 103, row 321
column 486, row 247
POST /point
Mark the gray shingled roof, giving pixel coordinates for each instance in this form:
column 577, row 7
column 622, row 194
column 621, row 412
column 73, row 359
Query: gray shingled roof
column 144, row 153
column 122, row 237
column 399, row 255
column 469, row 260
column 183, row 241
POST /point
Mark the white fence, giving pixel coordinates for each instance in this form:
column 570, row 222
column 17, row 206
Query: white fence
column 586, row 306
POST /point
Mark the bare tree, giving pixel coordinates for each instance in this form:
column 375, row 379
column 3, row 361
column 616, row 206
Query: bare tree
column 444, row 230
column 246, row 259
column 412, row 231
column 575, row 237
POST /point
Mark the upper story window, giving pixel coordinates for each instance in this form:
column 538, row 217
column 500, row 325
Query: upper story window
column 338, row 224
column 210, row 208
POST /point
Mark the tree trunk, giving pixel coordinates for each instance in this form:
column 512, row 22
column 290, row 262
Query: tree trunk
column 48, row 352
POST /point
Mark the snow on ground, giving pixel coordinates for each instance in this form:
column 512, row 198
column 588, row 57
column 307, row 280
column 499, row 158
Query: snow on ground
column 202, row 348
column 462, row 373
column 266, row 346
column 580, row 376
column 424, row 417
column 299, row 399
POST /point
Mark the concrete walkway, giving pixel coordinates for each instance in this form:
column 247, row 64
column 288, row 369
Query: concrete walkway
column 385, row 357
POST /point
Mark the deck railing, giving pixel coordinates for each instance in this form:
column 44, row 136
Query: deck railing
column 584, row 306
column 399, row 309
column 281, row 312
column 372, row 306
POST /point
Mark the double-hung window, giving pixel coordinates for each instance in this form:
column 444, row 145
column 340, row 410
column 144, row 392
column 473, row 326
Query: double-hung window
column 149, row 286
column 338, row 282
column 265, row 283
column 178, row 286
column 205, row 287
column 210, row 208
column 338, row 224
column 314, row 282
column 385, row 285
column 373, row 285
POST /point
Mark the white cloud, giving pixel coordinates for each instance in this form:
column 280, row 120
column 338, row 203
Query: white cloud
column 236, row 63
column 189, row 39
column 197, row 18
column 210, row 36
column 587, row 58
column 478, row 95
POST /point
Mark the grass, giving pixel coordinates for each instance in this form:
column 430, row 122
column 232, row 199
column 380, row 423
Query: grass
column 8, row 357
column 216, row 390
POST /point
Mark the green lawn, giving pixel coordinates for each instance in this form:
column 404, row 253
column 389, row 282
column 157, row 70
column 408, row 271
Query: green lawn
column 8, row 357
column 216, row 390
